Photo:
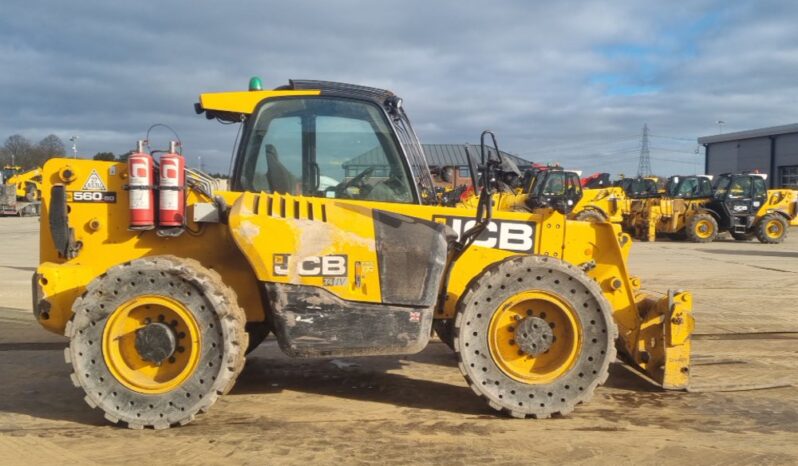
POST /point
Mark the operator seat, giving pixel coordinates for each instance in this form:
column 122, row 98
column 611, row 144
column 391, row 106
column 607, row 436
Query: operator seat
column 281, row 180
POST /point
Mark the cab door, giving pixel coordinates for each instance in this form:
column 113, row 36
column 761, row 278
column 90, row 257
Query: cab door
column 325, row 179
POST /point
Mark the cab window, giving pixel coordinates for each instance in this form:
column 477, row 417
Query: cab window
column 722, row 186
column 687, row 187
column 760, row 190
column 323, row 147
column 705, row 189
column 740, row 187
column 558, row 184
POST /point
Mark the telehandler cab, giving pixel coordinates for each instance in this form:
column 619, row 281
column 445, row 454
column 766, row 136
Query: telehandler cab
column 330, row 236
column 562, row 190
column 639, row 188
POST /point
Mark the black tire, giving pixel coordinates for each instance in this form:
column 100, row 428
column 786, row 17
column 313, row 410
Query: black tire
column 220, row 333
column 771, row 229
column 445, row 331
column 590, row 215
column 485, row 298
column 701, row 228
column 744, row 236
column 257, row 332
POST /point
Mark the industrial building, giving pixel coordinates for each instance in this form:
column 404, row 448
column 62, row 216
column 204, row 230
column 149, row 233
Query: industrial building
column 772, row 150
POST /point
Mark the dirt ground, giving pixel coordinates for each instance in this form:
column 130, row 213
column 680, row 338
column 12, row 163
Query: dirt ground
column 417, row 409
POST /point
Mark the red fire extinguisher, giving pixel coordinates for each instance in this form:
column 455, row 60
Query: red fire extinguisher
column 140, row 189
column 172, row 205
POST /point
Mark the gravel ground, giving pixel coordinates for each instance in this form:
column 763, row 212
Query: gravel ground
column 417, row 409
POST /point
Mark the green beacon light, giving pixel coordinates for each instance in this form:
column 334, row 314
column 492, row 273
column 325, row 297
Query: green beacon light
column 255, row 84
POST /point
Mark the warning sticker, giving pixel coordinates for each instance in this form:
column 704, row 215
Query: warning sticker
column 94, row 183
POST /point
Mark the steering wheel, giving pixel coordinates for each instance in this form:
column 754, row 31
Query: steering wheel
column 358, row 180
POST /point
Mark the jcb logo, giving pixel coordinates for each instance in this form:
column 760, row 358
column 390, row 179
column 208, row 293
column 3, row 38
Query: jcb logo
column 499, row 234
column 312, row 266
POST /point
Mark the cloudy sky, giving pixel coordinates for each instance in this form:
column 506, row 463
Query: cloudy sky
column 563, row 81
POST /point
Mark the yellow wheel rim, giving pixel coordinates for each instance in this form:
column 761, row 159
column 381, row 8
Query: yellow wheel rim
column 560, row 355
column 123, row 359
column 704, row 229
column 774, row 229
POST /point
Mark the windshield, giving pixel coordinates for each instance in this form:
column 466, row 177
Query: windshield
column 722, row 187
column 7, row 173
column 689, row 187
column 556, row 184
column 324, row 147
column 671, row 185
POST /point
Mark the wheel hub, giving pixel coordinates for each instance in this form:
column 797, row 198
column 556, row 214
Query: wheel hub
column 155, row 342
column 533, row 336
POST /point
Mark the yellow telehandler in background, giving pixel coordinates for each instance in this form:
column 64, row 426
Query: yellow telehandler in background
column 542, row 187
column 28, row 184
column 739, row 203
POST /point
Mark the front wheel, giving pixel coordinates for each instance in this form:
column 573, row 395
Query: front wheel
column 155, row 341
column 772, row 228
column 534, row 336
column 701, row 228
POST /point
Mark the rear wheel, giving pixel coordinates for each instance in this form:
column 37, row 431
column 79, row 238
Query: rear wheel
column 155, row 341
column 534, row 336
column 590, row 215
column 701, row 228
column 772, row 228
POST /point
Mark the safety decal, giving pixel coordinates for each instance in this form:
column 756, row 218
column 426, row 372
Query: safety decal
column 94, row 182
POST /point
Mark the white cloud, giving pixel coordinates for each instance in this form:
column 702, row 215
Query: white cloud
column 108, row 70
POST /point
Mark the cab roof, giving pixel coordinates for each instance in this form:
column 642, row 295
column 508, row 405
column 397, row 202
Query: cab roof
column 231, row 106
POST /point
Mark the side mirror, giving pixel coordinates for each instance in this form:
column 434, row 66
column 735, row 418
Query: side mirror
column 472, row 168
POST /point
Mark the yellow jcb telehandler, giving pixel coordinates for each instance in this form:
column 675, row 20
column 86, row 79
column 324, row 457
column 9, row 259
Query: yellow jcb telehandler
column 27, row 184
column 542, row 187
column 739, row 203
column 162, row 282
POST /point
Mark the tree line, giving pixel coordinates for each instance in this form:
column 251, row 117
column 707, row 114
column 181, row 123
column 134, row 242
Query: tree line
column 21, row 151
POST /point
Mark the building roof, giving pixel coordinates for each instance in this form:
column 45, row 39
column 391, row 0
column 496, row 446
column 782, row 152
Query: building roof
column 443, row 155
column 438, row 155
column 749, row 134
